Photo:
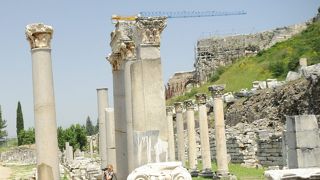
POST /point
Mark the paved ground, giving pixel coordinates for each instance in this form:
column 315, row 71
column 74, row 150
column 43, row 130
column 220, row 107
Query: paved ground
column 5, row 172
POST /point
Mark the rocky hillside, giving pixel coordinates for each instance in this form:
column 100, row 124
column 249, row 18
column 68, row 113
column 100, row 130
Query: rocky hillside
column 294, row 98
column 221, row 51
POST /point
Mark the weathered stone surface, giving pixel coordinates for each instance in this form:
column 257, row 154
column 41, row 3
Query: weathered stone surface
column 293, row 174
column 295, row 97
column 166, row 170
column 292, row 76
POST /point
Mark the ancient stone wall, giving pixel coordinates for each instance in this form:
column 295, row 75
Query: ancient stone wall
column 20, row 155
column 179, row 83
column 221, row 51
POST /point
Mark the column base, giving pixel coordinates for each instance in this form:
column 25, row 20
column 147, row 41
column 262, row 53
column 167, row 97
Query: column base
column 194, row 172
column 206, row 173
column 224, row 177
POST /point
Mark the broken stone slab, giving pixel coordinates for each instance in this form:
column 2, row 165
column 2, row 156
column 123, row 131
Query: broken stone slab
column 303, row 173
column 164, row 170
column 311, row 71
column 291, row 76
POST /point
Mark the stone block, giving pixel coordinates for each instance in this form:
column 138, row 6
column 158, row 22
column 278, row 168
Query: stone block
column 303, row 158
column 291, row 76
column 303, row 139
column 301, row 123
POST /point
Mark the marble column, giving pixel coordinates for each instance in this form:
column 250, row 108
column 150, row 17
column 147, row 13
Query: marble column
column 39, row 37
column 172, row 155
column 123, row 53
column 147, row 93
column 180, row 132
column 220, row 136
column 191, row 138
column 102, row 94
column 111, row 144
column 204, row 136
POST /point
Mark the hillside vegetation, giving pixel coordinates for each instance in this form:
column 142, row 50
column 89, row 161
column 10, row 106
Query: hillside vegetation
column 274, row 62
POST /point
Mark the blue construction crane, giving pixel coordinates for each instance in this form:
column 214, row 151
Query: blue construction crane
column 177, row 14
column 189, row 14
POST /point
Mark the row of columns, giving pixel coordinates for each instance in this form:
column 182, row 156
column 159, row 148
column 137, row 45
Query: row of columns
column 221, row 149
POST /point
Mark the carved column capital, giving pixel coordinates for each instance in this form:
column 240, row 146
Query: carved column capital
column 201, row 98
column 127, row 50
column 189, row 104
column 169, row 110
column 115, row 61
column 149, row 29
column 178, row 106
column 39, row 35
column 216, row 90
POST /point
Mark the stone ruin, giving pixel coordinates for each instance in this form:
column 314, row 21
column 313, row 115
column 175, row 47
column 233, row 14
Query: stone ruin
column 180, row 83
column 215, row 52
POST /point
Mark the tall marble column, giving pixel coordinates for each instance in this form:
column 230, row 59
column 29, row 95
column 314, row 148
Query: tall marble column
column 123, row 53
column 111, row 144
column 39, row 36
column 102, row 94
column 147, row 93
column 180, row 132
column 191, row 138
column 204, row 136
column 172, row 155
column 221, row 143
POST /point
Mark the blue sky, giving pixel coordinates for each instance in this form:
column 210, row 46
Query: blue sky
column 81, row 43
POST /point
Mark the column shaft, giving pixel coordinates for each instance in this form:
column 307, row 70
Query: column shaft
column 204, row 137
column 44, row 110
column 102, row 105
column 172, row 156
column 191, row 140
column 221, row 146
column 111, row 144
column 180, row 134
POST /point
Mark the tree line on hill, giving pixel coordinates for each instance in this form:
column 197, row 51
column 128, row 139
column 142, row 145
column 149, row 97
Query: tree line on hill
column 76, row 134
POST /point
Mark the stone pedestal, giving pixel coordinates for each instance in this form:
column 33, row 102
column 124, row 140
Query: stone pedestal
column 171, row 147
column 102, row 105
column 302, row 142
column 111, row 145
column 191, row 138
column 180, row 132
column 39, row 36
column 204, row 136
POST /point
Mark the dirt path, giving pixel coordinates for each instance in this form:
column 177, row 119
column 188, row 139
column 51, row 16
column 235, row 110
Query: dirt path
column 5, row 172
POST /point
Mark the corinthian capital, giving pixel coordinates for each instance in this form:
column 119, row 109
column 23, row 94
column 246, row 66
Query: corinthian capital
column 178, row 107
column 39, row 35
column 127, row 50
column 149, row 29
column 201, row 98
column 169, row 110
column 189, row 104
column 115, row 61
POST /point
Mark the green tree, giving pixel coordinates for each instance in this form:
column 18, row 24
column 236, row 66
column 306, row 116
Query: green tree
column 89, row 127
column 27, row 136
column 75, row 135
column 20, row 124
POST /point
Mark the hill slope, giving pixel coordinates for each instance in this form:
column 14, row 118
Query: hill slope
column 272, row 63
